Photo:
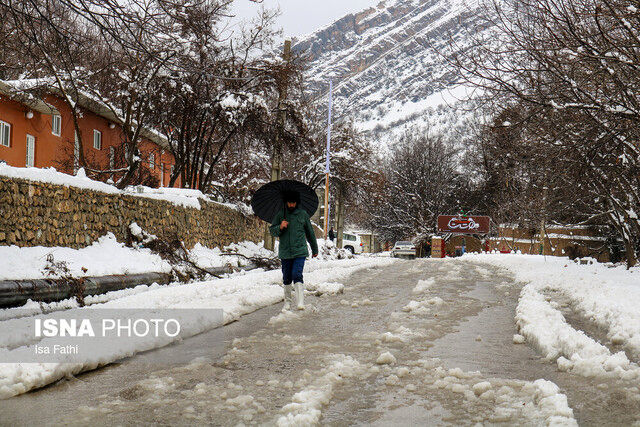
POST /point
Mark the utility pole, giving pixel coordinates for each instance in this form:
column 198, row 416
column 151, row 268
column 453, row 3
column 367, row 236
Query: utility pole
column 276, row 159
column 340, row 214
column 327, row 168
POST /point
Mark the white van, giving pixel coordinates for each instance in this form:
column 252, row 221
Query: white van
column 352, row 243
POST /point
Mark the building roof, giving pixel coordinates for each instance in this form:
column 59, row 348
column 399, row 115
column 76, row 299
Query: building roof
column 31, row 101
column 18, row 90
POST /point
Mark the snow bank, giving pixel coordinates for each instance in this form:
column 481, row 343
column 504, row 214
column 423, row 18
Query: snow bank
column 106, row 256
column 236, row 296
column 605, row 294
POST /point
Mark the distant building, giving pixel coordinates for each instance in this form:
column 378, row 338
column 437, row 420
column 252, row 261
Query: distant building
column 571, row 240
column 370, row 242
column 40, row 133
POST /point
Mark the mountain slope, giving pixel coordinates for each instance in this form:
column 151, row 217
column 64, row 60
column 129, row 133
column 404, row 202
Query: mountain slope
column 387, row 66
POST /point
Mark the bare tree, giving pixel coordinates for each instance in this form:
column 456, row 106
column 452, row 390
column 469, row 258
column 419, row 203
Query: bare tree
column 105, row 55
column 572, row 66
column 421, row 181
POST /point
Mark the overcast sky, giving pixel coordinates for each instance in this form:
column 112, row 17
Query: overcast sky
column 301, row 17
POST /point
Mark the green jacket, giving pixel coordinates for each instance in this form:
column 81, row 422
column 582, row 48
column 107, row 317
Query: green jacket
column 293, row 239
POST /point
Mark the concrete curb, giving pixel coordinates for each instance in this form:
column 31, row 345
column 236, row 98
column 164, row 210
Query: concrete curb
column 15, row 293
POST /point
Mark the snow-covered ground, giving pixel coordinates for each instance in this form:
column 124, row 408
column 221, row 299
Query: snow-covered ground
column 104, row 257
column 237, row 295
column 107, row 256
column 607, row 295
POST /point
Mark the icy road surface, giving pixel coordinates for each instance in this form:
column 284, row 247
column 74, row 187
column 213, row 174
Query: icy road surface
column 425, row 342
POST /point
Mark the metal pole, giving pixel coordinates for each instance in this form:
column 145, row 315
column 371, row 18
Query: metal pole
column 327, row 169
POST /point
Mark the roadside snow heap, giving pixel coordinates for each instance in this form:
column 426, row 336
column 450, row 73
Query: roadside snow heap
column 607, row 295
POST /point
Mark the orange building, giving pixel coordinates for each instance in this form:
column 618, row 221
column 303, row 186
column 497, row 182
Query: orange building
column 40, row 133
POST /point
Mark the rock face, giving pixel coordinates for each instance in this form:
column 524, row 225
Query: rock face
column 387, row 63
column 41, row 214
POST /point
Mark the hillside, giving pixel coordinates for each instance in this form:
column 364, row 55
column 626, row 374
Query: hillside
column 387, row 67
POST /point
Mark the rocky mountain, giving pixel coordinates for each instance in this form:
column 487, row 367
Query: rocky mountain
column 388, row 68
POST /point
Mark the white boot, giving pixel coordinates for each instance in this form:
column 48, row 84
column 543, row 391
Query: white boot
column 287, row 297
column 299, row 295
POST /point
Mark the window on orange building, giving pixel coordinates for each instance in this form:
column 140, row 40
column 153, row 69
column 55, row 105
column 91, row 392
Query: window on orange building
column 97, row 139
column 31, row 151
column 161, row 174
column 152, row 161
column 5, row 134
column 112, row 157
column 56, row 124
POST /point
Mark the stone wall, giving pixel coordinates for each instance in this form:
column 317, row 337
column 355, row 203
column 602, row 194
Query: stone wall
column 42, row 214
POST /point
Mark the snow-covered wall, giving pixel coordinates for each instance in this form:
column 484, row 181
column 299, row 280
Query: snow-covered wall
column 36, row 213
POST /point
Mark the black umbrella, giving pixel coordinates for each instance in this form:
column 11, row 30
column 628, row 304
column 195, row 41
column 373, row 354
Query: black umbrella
column 269, row 199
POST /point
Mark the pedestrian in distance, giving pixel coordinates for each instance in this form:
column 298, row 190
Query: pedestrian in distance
column 292, row 226
column 332, row 234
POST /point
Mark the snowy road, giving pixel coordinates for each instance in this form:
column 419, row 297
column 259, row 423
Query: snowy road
column 416, row 342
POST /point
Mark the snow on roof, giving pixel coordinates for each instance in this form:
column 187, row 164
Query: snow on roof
column 18, row 90
column 27, row 99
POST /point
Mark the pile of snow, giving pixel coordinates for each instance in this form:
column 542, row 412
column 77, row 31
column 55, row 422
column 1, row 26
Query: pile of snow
column 605, row 294
column 104, row 257
column 329, row 288
column 422, row 307
column 327, row 250
column 285, row 316
column 107, row 256
column 206, row 257
column 249, row 250
column 178, row 196
column 386, row 358
column 305, row 408
column 235, row 296
column 510, row 401
column 424, row 285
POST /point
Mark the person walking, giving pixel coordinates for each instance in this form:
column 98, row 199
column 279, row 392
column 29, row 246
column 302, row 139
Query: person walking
column 292, row 226
column 332, row 234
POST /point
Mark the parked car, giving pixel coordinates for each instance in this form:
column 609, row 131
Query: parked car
column 403, row 249
column 352, row 243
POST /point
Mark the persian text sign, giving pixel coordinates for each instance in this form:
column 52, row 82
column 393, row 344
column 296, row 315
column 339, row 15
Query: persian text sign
column 463, row 224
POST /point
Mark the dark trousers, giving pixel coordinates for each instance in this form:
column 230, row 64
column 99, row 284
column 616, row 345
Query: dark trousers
column 292, row 270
